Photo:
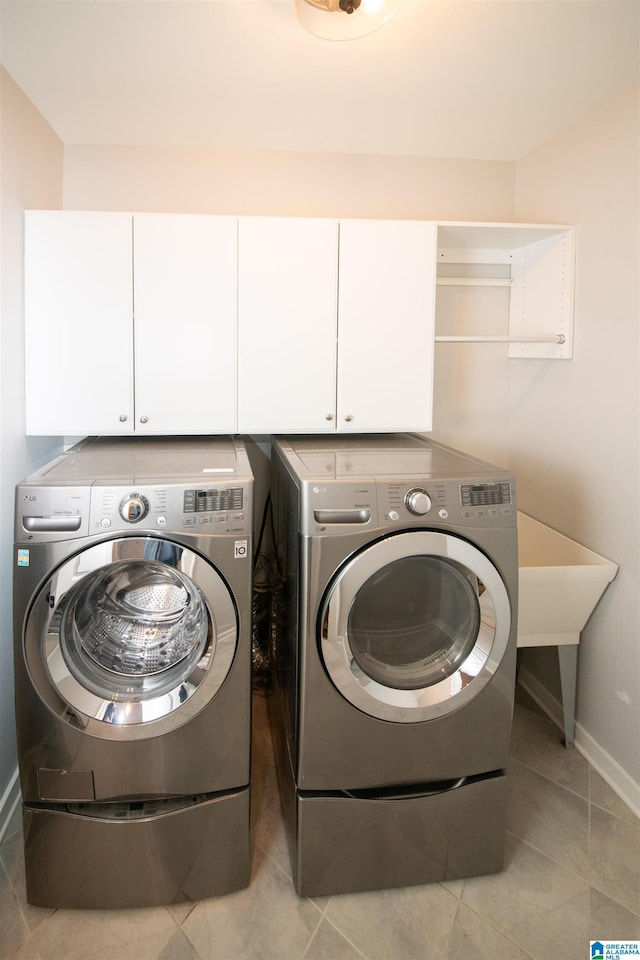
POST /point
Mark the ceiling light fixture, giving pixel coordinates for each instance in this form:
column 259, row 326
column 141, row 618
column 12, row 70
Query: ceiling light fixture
column 345, row 19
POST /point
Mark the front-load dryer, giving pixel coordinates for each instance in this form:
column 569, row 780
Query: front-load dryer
column 393, row 659
column 132, row 600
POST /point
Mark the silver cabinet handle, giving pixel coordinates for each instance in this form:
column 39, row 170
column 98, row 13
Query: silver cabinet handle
column 123, row 418
column 329, row 416
column 349, row 418
column 144, row 419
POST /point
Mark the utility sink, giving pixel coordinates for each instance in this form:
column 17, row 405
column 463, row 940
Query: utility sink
column 560, row 583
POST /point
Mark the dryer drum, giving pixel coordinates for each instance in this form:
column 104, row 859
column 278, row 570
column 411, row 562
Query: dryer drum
column 414, row 622
column 414, row 626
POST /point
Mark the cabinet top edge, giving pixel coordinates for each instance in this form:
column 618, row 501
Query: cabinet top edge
column 445, row 224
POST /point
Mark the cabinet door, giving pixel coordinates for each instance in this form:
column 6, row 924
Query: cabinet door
column 386, row 325
column 78, row 323
column 185, row 275
column 287, row 301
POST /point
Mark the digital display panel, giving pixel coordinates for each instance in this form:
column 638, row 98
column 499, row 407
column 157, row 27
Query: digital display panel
column 485, row 494
column 208, row 501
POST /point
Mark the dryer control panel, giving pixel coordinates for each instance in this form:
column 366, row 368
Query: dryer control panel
column 485, row 494
column 335, row 508
column 388, row 483
column 441, row 501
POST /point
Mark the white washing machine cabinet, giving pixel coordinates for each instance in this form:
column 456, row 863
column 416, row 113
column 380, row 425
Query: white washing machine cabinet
column 132, row 601
column 393, row 659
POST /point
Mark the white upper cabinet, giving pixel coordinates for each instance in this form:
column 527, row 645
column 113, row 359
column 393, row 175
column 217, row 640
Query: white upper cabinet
column 130, row 323
column 386, row 306
column 197, row 324
column 185, row 270
column 335, row 325
column 287, row 302
column 78, row 320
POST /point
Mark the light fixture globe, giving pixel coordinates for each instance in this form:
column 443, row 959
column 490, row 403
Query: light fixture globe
column 333, row 6
column 345, row 19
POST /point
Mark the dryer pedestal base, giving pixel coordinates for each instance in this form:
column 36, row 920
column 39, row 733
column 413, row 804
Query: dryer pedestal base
column 340, row 843
column 121, row 855
column 344, row 844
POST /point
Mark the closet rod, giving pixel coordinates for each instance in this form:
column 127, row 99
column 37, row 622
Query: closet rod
column 557, row 338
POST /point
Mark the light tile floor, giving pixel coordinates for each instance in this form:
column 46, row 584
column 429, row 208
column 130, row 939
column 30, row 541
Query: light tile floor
column 572, row 874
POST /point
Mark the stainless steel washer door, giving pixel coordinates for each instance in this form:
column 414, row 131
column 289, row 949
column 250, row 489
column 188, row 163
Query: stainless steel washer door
column 131, row 634
column 414, row 626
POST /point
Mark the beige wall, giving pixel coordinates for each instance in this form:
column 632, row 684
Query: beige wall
column 31, row 159
column 285, row 184
column 574, row 425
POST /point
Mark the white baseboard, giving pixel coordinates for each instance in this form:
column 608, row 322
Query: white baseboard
column 8, row 803
column 608, row 768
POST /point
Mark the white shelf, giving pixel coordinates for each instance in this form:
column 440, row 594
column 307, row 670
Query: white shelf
column 539, row 259
column 473, row 282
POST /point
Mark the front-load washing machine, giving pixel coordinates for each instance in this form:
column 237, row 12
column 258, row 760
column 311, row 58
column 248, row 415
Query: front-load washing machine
column 132, row 599
column 393, row 659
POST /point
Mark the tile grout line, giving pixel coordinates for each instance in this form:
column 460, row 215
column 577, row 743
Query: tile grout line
column 557, row 863
column 514, row 759
column 484, row 919
column 338, row 931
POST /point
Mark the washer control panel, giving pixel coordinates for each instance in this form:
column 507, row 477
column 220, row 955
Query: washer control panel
column 214, row 499
column 179, row 507
column 51, row 513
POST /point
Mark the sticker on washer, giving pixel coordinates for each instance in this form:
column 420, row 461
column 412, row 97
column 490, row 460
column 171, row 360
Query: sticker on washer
column 240, row 549
column 23, row 558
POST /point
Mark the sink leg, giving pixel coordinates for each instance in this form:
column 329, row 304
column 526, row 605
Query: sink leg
column 568, row 660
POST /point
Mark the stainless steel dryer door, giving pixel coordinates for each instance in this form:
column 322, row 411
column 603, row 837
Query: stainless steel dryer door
column 131, row 637
column 414, row 626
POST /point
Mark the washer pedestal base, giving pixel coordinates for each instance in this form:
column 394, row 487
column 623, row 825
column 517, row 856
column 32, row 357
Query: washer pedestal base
column 126, row 854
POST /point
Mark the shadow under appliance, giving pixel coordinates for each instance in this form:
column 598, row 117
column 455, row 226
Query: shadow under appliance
column 132, row 602
column 393, row 660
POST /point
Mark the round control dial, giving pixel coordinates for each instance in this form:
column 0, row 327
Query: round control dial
column 134, row 508
column 418, row 501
